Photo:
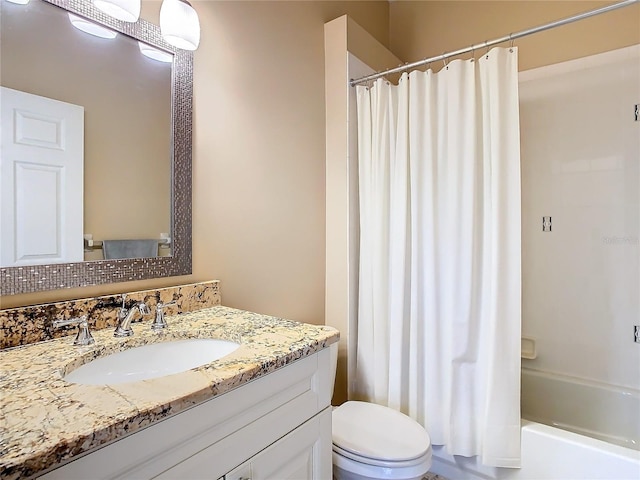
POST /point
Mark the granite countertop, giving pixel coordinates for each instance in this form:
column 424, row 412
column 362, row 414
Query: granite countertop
column 45, row 420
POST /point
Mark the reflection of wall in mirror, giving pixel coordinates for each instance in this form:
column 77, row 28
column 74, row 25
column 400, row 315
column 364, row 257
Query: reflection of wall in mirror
column 127, row 100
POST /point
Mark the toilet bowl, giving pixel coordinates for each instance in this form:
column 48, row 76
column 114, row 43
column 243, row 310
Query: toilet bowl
column 374, row 442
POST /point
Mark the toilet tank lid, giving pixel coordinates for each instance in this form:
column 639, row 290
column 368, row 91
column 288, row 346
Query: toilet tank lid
column 378, row 432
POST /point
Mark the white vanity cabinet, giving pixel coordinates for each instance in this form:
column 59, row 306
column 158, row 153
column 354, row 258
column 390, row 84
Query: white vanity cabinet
column 299, row 455
column 276, row 427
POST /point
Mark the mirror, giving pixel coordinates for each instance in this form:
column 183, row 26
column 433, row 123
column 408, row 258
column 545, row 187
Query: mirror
column 137, row 136
column 122, row 187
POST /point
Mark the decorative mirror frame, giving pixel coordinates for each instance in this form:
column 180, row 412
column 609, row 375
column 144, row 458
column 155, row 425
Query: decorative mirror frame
column 36, row 278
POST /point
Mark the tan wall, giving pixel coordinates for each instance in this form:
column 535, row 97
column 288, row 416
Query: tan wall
column 421, row 29
column 259, row 212
column 127, row 115
column 259, row 146
column 343, row 36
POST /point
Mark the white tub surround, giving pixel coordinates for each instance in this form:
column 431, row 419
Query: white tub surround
column 580, row 265
column 594, row 409
column 581, row 167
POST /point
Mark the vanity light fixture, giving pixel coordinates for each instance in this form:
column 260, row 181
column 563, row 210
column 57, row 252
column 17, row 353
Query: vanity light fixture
column 19, row 2
column 154, row 53
column 91, row 28
column 125, row 10
column 179, row 24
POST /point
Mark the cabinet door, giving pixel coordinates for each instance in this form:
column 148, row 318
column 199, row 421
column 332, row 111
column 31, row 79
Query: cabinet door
column 304, row 454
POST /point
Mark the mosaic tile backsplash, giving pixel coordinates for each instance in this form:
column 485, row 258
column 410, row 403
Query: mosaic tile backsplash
column 24, row 325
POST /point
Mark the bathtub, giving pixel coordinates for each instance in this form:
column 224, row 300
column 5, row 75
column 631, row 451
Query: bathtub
column 589, row 413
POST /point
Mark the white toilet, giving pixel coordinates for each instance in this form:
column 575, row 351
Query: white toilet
column 375, row 442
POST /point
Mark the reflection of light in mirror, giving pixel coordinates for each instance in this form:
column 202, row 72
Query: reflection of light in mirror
column 19, row 2
column 91, row 28
column 125, row 10
column 154, row 53
column 179, row 24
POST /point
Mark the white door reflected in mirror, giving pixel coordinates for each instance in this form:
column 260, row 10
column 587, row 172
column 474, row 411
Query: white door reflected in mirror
column 41, row 171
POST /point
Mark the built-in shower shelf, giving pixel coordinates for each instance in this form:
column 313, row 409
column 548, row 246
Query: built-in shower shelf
column 528, row 348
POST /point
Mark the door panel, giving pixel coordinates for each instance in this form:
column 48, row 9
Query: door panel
column 38, row 233
column 36, row 130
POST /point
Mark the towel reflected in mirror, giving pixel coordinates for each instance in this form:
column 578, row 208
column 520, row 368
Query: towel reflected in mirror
column 114, row 249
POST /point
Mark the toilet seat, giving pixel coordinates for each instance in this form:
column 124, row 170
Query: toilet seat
column 383, row 463
column 378, row 435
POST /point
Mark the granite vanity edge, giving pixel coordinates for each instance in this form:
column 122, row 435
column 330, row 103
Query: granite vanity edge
column 30, row 465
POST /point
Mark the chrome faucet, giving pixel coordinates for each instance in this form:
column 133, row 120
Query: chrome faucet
column 160, row 322
column 125, row 316
column 84, row 335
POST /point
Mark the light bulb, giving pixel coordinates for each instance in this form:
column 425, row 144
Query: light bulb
column 91, row 28
column 154, row 53
column 125, row 10
column 179, row 24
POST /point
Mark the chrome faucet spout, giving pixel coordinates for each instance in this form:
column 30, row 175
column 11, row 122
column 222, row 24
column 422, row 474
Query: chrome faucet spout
column 124, row 323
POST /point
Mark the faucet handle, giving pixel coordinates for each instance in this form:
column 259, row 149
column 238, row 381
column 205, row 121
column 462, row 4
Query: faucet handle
column 159, row 323
column 84, row 335
column 122, row 311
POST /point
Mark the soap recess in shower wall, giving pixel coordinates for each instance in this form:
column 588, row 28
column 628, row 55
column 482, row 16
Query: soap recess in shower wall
column 528, row 348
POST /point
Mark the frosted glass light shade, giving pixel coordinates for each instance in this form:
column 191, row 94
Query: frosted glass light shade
column 154, row 53
column 19, row 2
column 91, row 28
column 179, row 24
column 125, row 10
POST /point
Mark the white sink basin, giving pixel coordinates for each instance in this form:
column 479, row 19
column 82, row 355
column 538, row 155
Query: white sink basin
column 151, row 361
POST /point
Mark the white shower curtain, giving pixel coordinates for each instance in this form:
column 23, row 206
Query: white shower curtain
column 438, row 332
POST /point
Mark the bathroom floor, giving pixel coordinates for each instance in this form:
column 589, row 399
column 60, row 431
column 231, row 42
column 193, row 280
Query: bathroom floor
column 433, row 476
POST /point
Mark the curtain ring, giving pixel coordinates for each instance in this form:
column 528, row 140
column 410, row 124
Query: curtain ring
column 473, row 53
column 405, row 71
column 444, row 60
column 511, row 43
column 369, row 84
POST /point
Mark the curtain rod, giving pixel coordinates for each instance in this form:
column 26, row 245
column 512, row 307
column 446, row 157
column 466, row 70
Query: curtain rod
column 487, row 44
